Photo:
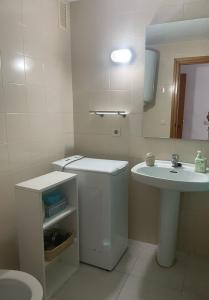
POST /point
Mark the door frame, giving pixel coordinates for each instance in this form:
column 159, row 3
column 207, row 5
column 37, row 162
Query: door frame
column 178, row 62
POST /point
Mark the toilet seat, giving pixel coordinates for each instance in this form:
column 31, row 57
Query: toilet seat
column 26, row 280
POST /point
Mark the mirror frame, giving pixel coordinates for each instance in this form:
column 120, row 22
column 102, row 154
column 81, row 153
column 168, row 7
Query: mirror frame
column 175, row 106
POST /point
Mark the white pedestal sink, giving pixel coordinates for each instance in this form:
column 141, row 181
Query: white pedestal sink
column 171, row 181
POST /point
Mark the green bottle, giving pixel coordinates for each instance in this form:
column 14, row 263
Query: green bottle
column 200, row 163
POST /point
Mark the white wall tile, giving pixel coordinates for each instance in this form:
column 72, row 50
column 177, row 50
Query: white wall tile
column 15, row 98
column 31, row 13
column 9, row 253
column 4, row 159
column 13, row 68
column 34, row 70
column 2, row 99
column 12, row 37
column 3, row 138
column 36, row 98
column 39, row 127
column 53, row 99
column 196, row 9
column 168, row 13
column 29, row 139
column 17, row 127
column 10, row 12
column 19, row 155
column 33, row 42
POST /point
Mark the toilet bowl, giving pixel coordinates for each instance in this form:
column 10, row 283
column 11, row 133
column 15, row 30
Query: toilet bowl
column 16, row 285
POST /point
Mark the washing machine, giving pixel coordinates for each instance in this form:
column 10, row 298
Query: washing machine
column 103, row 208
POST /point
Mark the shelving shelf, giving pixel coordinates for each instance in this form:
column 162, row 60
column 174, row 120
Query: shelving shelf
column 58, row 276
column 51, row 262
column 31, row 227
column 53, row 220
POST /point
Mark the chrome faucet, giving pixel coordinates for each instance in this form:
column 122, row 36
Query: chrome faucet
column 175, row 161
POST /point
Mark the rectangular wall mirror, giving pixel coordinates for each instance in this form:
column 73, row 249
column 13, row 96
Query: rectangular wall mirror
column 176, row 84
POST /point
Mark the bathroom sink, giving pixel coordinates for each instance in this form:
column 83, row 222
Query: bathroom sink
column 171, row 182
column 163, row 176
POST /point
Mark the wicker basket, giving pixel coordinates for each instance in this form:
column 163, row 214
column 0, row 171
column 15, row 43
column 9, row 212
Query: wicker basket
column 51, row 254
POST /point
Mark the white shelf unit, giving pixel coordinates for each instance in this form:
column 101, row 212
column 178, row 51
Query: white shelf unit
column 31, row 226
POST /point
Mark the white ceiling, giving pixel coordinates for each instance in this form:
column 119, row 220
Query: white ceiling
column 177, row 31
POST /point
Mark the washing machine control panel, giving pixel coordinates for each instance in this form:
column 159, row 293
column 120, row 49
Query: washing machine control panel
column 61, row 164
column 72, row 158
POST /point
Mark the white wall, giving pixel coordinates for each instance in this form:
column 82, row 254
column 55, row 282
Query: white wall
column 36, row 106
column 98, row 27
column 196, row 106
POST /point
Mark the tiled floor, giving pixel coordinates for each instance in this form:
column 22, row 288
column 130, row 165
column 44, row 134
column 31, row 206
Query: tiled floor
column 139, row 277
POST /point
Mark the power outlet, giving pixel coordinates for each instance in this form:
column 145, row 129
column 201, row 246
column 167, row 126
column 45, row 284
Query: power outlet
column 116, row 132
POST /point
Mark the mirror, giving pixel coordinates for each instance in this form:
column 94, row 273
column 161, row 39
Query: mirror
column 176, row 84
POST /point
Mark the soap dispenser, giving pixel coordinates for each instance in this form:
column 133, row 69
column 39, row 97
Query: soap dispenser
column 200, row 163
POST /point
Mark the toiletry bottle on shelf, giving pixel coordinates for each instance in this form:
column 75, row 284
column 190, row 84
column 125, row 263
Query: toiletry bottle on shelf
column 200, row 163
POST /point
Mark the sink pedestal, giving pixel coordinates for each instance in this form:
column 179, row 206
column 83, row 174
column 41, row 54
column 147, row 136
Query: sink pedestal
column 169, row 214
column 171, row 181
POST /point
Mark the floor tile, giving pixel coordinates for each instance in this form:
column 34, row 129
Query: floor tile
column 129, row 258
column 192, row 296
column 147, row 267
column 127, row 262
column 197, row 277
column 138, row 288
column 149, row 248
column 135, row 250
column 90, row 283
column 138, row 277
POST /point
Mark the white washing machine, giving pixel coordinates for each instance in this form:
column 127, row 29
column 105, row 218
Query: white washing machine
column 103, row 208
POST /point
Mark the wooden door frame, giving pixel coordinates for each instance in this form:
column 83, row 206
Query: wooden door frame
column 178, row 62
